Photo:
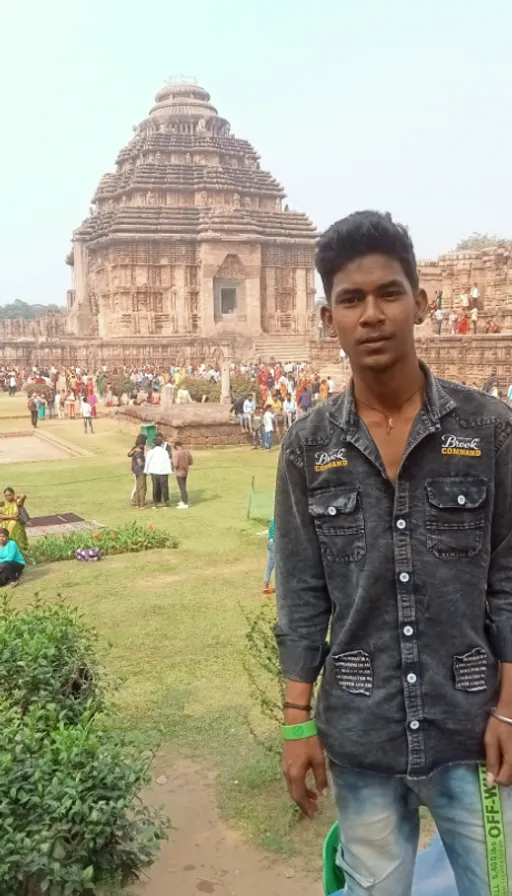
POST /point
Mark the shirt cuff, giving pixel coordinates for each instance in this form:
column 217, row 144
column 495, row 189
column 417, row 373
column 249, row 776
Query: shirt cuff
column 300, row 662
column 501, row 641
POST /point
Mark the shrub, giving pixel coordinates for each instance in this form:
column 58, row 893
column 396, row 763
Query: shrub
column 69, row 818
column 263, row 669
column 48, row 655
column 119, row 383
column 240, row 386
column 127, row 539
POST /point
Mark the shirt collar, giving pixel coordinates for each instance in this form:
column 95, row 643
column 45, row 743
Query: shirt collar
column 436, row 402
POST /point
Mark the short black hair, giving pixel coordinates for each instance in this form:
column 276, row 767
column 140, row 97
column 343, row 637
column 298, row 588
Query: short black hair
column 364, row 233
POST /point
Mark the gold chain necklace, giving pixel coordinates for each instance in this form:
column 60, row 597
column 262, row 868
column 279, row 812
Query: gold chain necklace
column 390, row 420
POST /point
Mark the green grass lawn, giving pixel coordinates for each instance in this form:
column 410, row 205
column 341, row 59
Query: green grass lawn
column 171, row 621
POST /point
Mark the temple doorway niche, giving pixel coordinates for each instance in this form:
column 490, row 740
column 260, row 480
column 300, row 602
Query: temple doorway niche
column 229, row 293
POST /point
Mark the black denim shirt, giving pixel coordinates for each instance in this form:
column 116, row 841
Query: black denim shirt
column 414, row 579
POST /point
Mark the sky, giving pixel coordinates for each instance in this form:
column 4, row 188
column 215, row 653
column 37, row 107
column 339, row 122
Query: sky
column 396, row 105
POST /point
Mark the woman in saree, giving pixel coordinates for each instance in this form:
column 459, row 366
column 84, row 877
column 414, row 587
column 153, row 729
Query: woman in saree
column 10, row 519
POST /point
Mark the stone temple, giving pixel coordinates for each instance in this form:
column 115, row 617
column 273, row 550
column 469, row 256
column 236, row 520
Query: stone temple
column 190, row 238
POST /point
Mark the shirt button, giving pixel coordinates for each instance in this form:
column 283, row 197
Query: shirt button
column 331, row 511
column 408, row 630
column 412, row 678
column 414, row 725
column 400, row 524
column 461, row 499
column 404, row 576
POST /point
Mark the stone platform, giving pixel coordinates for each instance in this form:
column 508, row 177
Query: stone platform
column 196, row 425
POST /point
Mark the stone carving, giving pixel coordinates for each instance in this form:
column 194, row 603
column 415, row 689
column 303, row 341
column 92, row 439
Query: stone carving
column 236, row 200
column 188, row 158
column 247, row 202
column 201, row 127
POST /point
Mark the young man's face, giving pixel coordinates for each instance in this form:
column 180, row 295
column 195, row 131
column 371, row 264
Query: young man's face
column 373, row 311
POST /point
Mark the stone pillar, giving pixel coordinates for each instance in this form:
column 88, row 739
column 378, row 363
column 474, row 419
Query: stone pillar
column 167, row 397
column 225, row 389
column 301, row 301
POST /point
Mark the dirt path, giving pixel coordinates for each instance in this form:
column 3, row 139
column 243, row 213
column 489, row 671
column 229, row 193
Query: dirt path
column 203, row 854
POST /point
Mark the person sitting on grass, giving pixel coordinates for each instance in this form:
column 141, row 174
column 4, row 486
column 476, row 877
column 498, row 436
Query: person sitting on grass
column 10, row 517
column 12, row 563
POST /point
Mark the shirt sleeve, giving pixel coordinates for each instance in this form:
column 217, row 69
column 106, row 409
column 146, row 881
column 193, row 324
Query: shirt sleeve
column 303, row 602
column 499, row 584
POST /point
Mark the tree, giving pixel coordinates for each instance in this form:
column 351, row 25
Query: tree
column 18, row 309
column 478, row 241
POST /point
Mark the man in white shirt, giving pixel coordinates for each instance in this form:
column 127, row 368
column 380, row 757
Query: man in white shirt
column 331, row 386
column 268, row 427
column 439, row 315
column 249, row 408
column 464, row 301
column 474, row 319
column 475, row 294
column 289, row 410
column 87, row 415
column 12, row 384
column 159, row 467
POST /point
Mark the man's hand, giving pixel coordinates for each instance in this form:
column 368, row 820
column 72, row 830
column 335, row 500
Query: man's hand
column 498, row 748
column 300, row 757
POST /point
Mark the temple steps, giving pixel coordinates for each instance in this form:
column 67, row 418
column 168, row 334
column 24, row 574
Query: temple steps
column 282, row 348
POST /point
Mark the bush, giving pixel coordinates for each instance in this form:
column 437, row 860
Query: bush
column 119, row 383
column 48, row 655
column 241, row 386
column 69, row 819
column 127, row 539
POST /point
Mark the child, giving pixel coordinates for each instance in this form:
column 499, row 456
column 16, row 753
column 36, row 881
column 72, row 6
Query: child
column 267, row 587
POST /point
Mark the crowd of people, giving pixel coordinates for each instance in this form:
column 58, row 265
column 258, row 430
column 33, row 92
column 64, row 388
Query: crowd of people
column 462, row 318
column 282, row 393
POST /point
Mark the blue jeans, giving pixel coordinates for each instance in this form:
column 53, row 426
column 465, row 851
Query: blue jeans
column 379, row 828
column 267, row 439
column 270, row 562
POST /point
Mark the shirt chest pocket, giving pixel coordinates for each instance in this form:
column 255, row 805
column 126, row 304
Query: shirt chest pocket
column 455, row 516
column 339, row 523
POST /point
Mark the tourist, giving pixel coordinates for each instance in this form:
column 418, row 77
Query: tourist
column 158, row 466
column 138, row 470
column 140, row 442
column 305, row 401
column 464, row 301
column 323, row 394
column 12, row 563
column 289, row 410
column 182, row 461
column 183, row 396
column 331, row 386
column 268, row 427
column 463, row 325
column 10, row 514
column 41, row 410
column 249, row 408
column 452, row 321
column 237, row 408
column 394, row 582
column 33, row 406
column 267, row 587
column 490, row 387
column 439, row 316
column 474, row 319
column 71, row 404
column 475, row 295
column 50, row 400
column 257, row 429
column 315, row 389
column 87, row 415
column 12, row 384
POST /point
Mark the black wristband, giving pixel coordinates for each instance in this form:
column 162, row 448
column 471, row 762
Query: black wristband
column 287, row 705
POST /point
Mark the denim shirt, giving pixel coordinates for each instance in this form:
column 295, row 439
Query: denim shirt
column 412, row 581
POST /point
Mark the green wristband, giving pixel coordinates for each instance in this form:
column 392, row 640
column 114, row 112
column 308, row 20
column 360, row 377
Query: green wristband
column 495, row 836
column 299, row 732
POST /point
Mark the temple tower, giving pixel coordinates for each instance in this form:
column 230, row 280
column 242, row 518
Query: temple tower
column 189, row 236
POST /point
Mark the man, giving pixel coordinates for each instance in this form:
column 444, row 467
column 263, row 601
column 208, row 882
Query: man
column 464, row 301
column 87, row 415
column 394, row 539
column 452, row 320
column 159, row 467
column 237, row 408
column 474, row 319
column 331, row 386
column 439, row 316
column 257, row 429
column 12, row 383
column 182, row 461
column 305, row 400
column 249, row 408
column 268, row 427
column 475, row 295
column 33, row 407
column 289, row 410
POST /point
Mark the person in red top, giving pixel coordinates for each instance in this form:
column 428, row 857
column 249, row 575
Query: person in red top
column 463, row 325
